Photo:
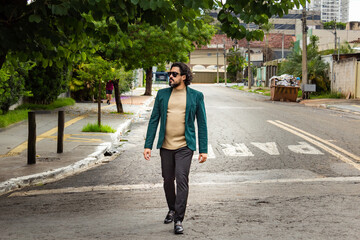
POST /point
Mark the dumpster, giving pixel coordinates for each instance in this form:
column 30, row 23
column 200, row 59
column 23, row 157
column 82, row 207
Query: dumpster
column 284, row 93
column 284, row 88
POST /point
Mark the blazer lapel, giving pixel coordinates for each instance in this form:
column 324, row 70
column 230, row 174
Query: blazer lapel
column 188, row 103
column 166, row 102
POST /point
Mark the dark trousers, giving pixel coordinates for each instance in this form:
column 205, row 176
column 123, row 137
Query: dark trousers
column 175, row 165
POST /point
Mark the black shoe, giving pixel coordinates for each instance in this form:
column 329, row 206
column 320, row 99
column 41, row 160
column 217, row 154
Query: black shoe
column 108, row 102
column 169, row 217
column 178, row 228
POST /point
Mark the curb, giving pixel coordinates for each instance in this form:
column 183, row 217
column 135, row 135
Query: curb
column 55, row 174
column 90, row 161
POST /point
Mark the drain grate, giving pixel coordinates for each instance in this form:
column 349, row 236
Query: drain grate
column 47, row 159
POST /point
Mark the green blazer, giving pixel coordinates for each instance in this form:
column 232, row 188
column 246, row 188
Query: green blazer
column 195, row 107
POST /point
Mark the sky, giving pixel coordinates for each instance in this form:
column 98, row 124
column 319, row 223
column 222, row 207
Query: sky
column 354, row 8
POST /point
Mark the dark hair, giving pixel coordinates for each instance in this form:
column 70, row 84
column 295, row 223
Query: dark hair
column 184, row 70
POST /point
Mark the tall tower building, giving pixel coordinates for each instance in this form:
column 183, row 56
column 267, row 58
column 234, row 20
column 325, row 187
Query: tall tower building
column 331, row 10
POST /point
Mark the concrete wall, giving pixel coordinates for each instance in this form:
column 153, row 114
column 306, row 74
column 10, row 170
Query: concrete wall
column 345, row 76
column 357, row 87
column 327, row 37
column 206, row 77
column 206, row 57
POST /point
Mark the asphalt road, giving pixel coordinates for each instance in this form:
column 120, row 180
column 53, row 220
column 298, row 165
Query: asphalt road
column 275, row 171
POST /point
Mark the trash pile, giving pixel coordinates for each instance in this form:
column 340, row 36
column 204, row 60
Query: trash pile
column 285, row 80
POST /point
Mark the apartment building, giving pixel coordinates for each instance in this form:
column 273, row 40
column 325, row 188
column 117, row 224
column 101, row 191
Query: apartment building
column 331, row 10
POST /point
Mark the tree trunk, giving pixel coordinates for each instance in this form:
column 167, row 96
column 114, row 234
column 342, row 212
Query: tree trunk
column 99, row 104
column 117, row 97
column 2, row 60
column 148, row 82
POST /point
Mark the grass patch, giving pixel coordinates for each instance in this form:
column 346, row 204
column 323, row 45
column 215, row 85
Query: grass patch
column 126, row 113
column 94, row 127
column 237, row 87
column 61, row 102
column 12, row 117
column 326, row 95
column 299, row 93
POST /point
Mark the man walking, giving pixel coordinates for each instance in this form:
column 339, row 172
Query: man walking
column 176, row 108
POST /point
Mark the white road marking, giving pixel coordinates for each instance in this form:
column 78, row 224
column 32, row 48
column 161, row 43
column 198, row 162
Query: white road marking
column 304, row 148
column 269, row 147
column 236, row 150
column 317, row 143
column 160, row 185
column 229, row 107
column 327, row 142
column 211, row 153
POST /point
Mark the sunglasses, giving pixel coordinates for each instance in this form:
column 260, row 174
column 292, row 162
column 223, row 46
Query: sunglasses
column 173, row 73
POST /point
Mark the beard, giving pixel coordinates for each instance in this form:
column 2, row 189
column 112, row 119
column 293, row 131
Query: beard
column 173, row 84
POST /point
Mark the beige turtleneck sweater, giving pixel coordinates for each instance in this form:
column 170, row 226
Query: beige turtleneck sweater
column 175, row 120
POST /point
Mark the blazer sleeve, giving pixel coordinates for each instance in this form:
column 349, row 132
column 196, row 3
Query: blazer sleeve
column 202, row 125
column 153, row 124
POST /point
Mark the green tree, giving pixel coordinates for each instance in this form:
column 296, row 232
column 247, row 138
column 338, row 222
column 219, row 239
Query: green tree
column 333, row 24
column 252, row 11
column 236, row 63
column 41, row 26
column 267, row 27
column 45, row 84
column 152, row 45
column 317, row 69
column 12, row 81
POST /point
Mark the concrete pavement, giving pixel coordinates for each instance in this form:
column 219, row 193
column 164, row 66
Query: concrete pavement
column 85, row 150
column 81, row 150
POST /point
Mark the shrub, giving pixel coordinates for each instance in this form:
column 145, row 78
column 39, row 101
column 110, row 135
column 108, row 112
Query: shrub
column 46, row 84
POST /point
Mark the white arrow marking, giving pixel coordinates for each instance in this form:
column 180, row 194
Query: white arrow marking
column 304, row 148
column 236, row 150
column 211, row 153
column 269, row 147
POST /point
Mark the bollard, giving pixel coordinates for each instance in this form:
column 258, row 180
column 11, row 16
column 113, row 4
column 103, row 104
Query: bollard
column 31, row 138
column 60, row 138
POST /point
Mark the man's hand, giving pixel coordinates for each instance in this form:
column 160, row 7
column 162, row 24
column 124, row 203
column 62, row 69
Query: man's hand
column 202, row 157
column 147, row 153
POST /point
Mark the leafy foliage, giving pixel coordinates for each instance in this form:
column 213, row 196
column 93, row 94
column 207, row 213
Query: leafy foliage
column 47, row 83
column 37, row 28
column 236, row 64
column 153, row 45
column 317, row 69
column 333, row 24
column 251, row 11
column 12, row 79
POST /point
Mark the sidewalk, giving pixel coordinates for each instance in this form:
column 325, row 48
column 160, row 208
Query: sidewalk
column 344, row 105
column 81, row 150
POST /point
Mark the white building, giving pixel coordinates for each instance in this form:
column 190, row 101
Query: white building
column 331, row 10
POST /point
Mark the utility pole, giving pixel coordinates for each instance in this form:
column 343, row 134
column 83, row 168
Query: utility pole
column 304, row 52
column 335, row 36
column 225, row 62
column 249, row 67
column 249, row 63
column 217, row 63
column 282, row 45
column 338, row 51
